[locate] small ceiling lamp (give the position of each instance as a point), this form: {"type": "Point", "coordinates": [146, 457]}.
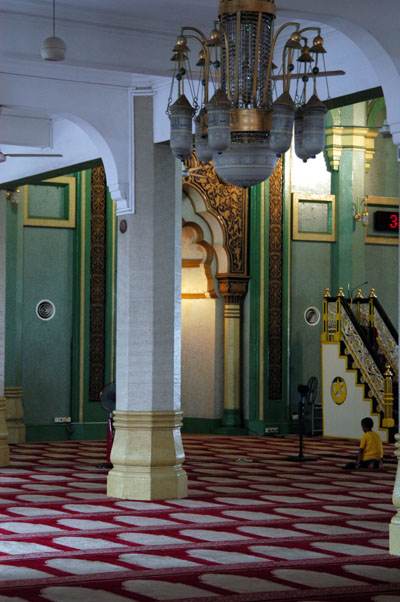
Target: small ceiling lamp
{"type": "Point", "coordinates": [242, 127]}
{"type": "Point", "coordinates": [53, 48]}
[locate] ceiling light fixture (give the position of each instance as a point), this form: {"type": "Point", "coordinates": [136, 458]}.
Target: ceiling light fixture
{"type": "Point", "coordinates": [53, 48]}
{"type": "Point", "coordinates": [240, 128]}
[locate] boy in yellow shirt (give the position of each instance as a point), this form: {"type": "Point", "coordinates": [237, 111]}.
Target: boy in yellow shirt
{"type": "Point", "coordinates": [371, 451]}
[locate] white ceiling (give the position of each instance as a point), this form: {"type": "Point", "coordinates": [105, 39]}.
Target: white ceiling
{"type": "Point", "coordinates": [128, 43]}
{"type": "Point", "coordinates": [136, 36]}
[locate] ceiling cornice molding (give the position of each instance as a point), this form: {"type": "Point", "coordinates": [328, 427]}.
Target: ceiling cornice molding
{"type": "Point", "coordinates": [84, 75]}
{"type": "Point", "coordinates": [96, 20]}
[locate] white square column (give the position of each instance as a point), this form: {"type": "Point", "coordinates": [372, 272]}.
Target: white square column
{"type": "Point", "coordinates": [147, 452]}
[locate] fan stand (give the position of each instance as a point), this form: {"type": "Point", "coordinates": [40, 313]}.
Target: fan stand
{"type": "Point", "coordinates": [107, 400]}
{"type": "Point", "coordinates": [307, 392]}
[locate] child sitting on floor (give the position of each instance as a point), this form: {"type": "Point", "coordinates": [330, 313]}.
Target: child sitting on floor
{"type": "Point", "coordinates": [370, 453]}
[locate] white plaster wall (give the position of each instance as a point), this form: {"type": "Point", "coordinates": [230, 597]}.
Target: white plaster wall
{"type": "Point", "coordinates": [343, 420]}
{"type": "Point", "coordinates": [199, 317]}
{"type": "Point", "coordinates": [311, 177]}
{"type": "Point", "coordinates": [68, 139]}
{"type": "Point", "coordinates": [202, 391]}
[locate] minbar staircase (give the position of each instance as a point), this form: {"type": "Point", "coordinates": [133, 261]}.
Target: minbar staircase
{"type": "Point", "coordinates": [359, 366]}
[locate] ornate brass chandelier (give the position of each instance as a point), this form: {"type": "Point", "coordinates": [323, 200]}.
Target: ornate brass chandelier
{"type": "Point", "coordinates": [240, 128]}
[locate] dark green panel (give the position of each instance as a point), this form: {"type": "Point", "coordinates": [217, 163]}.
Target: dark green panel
{"type": "Point", "coordinates": [200, 425]}
{"type": "Point", "coordinates": [14, 271]}
{"type": "Point", "coordinates": [254, 292]}
{"type": "Point", "coordinates": [62, 432]}
{"type": "Point", "coordinates": [47, 344]}
{"type": "Point", "coordinates": [310, 270]}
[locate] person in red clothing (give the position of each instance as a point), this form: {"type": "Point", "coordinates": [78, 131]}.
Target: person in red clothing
{"type": "Point", "coordinates": [370, 453]}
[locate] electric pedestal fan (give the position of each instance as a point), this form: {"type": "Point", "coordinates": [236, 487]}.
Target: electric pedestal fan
{"type": "Point", "coordinates": [308, 394]}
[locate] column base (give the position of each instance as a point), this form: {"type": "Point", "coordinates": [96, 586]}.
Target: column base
{"type": "Point", "coordinates": [147, 455]}
{"type": "Point", "coordinates": [394, 538]}
{"type": "Point", "coordinates": [4, 449]}
{"type": "Point", "coordinates": [15, 415]}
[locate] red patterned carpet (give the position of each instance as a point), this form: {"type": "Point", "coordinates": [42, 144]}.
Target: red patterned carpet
{"type": "Point", "coordinates": [254, 527]}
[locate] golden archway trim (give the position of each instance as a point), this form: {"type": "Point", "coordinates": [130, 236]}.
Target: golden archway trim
{"type": "Point", "coordinates": [229, 205]}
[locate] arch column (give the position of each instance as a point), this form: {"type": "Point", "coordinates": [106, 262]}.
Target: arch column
{"type": "Point", "coordinates": [4, 449]}
{"type": "Point", "coordinates": [233, 289]}
{"type": "Point", "coordinates": [147, 453]}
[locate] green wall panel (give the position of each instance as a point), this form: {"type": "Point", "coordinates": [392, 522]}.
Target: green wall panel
{"type": "Point", "coordinates": [46, 360]}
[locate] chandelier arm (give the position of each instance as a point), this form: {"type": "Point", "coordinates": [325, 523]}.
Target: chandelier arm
{"type": "Point", "coordinates": [311, 28]}
{"type": "Point", "coordinates": [202, 40]}
{"type": "Point", "coordinates": [286, 55]}
{"type": "Point", "coordinates": [289, 24]}
{"type": "Point", "coordinates": [198, 31]}
{"type": "Point", "coordinates": [237, 44]}
{"type": "Point", "coordinates": [257, 51]}
{"type": "Point", "coordinates": [227, 73]}
{"type": "Point", "coordinates": [289, 75]}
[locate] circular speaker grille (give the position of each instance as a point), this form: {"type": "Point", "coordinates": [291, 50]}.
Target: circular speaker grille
{"type": "Point", "coordinates": [312, 316]}
{"type": "Point", "coordinates": [45, 309]}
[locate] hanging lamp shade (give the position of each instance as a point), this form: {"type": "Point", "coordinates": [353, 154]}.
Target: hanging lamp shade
{"type": "Point", "coordinates": [298, 136]}
{"type": "Point", "coordinates": [203, 151]}
{"type": "Point", "coordinates": [180, 114]}
{"type": "Point", "coordinates": [245, 165]}
{"type": "Point", "coordinates": [314, 126]}
{"type": "Point", "coordinates": [53, 49]}
{"type": "Point", "coordinates": [219, 120]}
{"type": "Point", "coordinates": [280, 137]}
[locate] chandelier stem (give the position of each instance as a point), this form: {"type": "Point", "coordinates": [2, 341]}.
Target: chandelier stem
{"type": "Point", "coordinates": [54, 18]}
{"type": "Point", "coordinates": [227, 72]}
{"type": "Point", "coordinates": [266, 86]}
{"type": "Point", "coordinates": [235, 100]}
{"type": "Point", "coordinates": [256, 59]}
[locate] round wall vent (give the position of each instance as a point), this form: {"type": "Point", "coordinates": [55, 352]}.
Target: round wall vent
{"type": "Point", "coordinates": [312, 316]}
{"type": "Point", "coordinates": [45, 309]}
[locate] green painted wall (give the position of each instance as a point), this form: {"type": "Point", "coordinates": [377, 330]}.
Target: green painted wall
{"type": "Point", "coordinates": [14, 270]}
{"type": "Point", "coordinates": [310, 267]}
{"type": "Point", "coordinates": [46, 348]}
{"type": "Point", "coordinates": [51, 359]}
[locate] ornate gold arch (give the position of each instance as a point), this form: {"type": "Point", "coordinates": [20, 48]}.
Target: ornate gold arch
{"type": "Point", "coordinates": [229, 205]}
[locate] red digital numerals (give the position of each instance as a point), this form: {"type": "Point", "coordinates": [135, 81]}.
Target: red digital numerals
{"type": "Point", "coordinates": [394, 221]}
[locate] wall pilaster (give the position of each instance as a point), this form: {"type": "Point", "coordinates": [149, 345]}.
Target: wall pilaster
{"type": "Point", "coordinates": [4, 449]}
{"type": "Point", "coordinates": [233, 289]}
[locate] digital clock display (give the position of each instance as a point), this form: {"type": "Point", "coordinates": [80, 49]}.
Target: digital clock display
{"type": "Point", "coordinates": [386, 221]}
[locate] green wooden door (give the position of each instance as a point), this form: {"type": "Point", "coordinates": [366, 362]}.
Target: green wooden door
{"type": "Point", "coordinates": [47, 276]}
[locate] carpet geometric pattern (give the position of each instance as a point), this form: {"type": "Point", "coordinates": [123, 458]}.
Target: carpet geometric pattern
{"type": "Point", "coordinates": [254, 527]}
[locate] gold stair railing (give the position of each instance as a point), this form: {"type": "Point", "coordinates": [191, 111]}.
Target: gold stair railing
{"type": "Point", "coordinates": [388, 399]}
{"type": "Point", "coordinates": [357, 329]}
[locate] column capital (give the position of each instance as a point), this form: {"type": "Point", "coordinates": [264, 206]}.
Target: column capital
{"type": "Point", "coordinates": [233, 287]}
{"type": "Point", "coordinates": [354, 138]}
